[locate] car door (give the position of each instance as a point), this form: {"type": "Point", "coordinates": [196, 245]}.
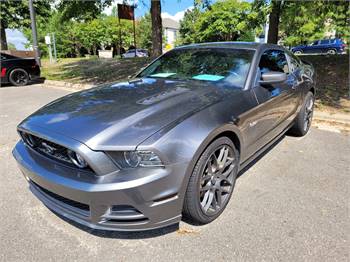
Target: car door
{"type": "Point", "coordinates": [324, 46]}
{"type": "Point", "coordinates": [315, 47]}
{"type": "Point", "coordinates": [277, 102]}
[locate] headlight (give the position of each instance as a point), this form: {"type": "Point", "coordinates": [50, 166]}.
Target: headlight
{"type": "Point", "coordinates": [77, 159]}
{"type": "Point", "coordinates": [142, 158]}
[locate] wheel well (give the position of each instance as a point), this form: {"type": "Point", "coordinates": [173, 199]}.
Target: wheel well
{"type": "Point", "coordinates": [234, 138]}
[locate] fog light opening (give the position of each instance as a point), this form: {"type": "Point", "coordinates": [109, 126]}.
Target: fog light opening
{"type": "Point", "coordinates": [77, 159]}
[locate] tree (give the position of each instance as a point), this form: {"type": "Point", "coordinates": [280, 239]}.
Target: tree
{"type": "Point", "coordinates": [299, 24]}
{"type": "Point", "coordinates": [188, 26]}
{"type": "Point", "coordinates": [296, 22]}
{"type": "Point", "coordinates": [274, 19]}
{"type": "Point", "coordinates": [75, 38]}
{"type": "Point", "coordinates": [11, 46]}
{"type": "Point", "coordinates": [15, 14]}
{"type": "Point", "coordinates": [156, 28]}
{"type": "Point", "coordinates": [228, 20]}
{"type": "Point", "coordinates": [144, 31]}
{"type": "Point", "coordinates": [82, 10]}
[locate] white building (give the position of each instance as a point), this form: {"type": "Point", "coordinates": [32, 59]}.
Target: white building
{"type": "Point", "coordinates": [171, 32]}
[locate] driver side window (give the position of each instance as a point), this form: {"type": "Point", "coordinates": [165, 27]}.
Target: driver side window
{"type": "Point", "coordinates": [273, 60]}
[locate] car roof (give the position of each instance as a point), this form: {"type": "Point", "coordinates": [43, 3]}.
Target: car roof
{"type": "Point", "coordinates": [234, 45]}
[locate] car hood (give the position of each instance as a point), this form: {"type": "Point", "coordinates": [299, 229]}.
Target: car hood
{"type": "Point", "coordinates": [122, 115]}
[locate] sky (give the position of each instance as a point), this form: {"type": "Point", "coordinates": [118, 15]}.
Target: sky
{"type": "Point", "coordinates": [170, 8]}
{"type": "Point", "coordinates": [174, 9]}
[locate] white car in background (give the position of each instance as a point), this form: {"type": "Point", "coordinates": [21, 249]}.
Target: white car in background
{"type": "Point", "coordinates": [138, 53]}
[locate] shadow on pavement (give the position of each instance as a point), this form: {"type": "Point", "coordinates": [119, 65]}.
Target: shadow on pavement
{"type": "Point", "coordinates": [39, 80]}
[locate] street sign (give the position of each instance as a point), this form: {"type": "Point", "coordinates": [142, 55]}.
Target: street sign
{"type": "Point", "coordinates": [47, 40]}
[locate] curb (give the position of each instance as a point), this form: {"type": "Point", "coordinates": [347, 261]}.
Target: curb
{"type": "Point", "coordinates": [340, 118]}
{"type": "Point", "coordinates": [66, 85]}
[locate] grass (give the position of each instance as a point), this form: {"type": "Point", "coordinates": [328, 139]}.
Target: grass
{"type": "Point", "coordinates": [332, 75]}
{"type": "Point", "coordinates": [92, 70]}
{"type": "Point", "coordinates": [332, 82]}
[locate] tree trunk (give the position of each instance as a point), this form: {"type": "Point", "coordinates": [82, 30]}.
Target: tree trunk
{"type": "Point", "coordinates": [274, 20]}
{"type": "Point", "coordinates": [3, 42]}
{"type": "Point", "coordinates": [156, 28]}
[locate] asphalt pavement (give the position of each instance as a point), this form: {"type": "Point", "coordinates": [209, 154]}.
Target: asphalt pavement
{"type": "Point", "coordinates": [291, 205]}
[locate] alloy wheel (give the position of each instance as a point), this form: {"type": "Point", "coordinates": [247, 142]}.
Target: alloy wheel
{"type": "Point", "coordinates": [19, 77]}
{"type": "Point", "coordinates": [308, 114]}
{"type": "Point", "coordinates": [217, 180]}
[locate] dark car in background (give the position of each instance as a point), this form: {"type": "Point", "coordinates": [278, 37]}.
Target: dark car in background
{"type": "Point", "coordinates": [325, 46]}
{"type": "Point", "coordinates": [18, 71]}
{"type": "Point", "coordinates": [139, 154]}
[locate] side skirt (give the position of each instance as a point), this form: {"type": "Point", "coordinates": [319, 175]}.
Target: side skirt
{"type": "Point", "coordinates": [262, 150]}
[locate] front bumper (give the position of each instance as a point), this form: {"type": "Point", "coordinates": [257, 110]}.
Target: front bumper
{"type": "Point", "coordinates": [132, 200]}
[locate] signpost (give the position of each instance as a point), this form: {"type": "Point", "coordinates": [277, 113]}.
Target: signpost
{"type": "Point", "coordinates": [49, 43]}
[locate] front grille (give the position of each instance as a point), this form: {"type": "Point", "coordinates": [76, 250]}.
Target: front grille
{"type": "Point", "coordinates": [48, 148]}
{"type": "Point", "coordinates": [62, 199]}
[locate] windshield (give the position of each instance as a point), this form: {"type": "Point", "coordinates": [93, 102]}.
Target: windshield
{"type": "Point", "coordinates": [203, 64]}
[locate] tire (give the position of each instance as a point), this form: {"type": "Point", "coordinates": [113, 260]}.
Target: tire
{"type": "Point", "coordinates": [298, 52]}
{"type": "Point", "coordinates": [19, 77]}
{"type": "Point", "coordinates": [331, 52]}
{"type": "Point", "coordinates": [303, 120]}
{"type": "Point", "coordinates": [207, 192]}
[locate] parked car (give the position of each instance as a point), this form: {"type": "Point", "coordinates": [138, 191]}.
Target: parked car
{"type": "Point", "coordinates": [140, 154]}
{"type": "Point", "coordinates": [138, 53]}
{"type": "Point", "coordinates": [18, 71]}
{"type": "Point", "coordinates": [325, 46]}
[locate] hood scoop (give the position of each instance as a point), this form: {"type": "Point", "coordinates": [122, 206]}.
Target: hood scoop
{"type": "Point", "coordinates": [162, 96]}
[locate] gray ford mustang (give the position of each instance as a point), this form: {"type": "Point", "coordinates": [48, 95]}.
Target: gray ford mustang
{"type": "Point", "coordinates": [169, 142]}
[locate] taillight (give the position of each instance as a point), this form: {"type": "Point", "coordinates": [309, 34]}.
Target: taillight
{"type": "Point", "coordinates": [3, 72]}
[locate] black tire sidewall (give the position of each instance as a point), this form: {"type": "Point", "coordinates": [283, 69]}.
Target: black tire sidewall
{"type": "Point", "coordinates": [298, 128]}
{"type": "Point", "coordinates": [17, 70]}
{"type": "Point", "coordinates": [193, 209]}
{"type": "Point", "coordinates": [331, 51]}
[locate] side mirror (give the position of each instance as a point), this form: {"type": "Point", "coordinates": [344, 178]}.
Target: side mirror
{"type": "Point", "coordinates": [272, 77]}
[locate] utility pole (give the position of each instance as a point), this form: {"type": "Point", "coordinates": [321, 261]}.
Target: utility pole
{"type": "Point", "coordinates": [34, 34]}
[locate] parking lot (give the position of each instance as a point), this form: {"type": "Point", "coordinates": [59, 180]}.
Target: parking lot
{"type": "Point", "coordinates": [291, 205]}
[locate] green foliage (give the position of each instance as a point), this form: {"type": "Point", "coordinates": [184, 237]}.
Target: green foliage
{"type": "Point", "coordinates": [15, 14]}
{"type": "Point", "coordinates": [144, 32]}
{"type": "Point", "coordinates": [188, 26]}
{"type": "Point", "coordinates": [225, 20]}
{"type": "Point", "coordinates": [11, 46]}
{"type": "Point", "coordinates": [305, 21]}
{"type": "Point", "coordinates": [75, 38]}
{"type": "Point", "coordinates": [81, 10]}
{"type": "Point", "coordinates": [231, 20]}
